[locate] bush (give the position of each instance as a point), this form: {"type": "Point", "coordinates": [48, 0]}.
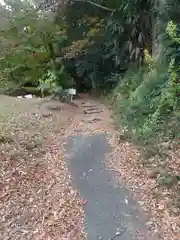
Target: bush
{"type": "Point", "coordinates": [144, 101]}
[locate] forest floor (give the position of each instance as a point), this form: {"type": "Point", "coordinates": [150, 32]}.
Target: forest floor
{"type": "Point", "coordinates": [37, 200]}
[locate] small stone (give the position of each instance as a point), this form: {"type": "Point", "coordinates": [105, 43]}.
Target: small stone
{"type": "Point", "coordinates": [152, 173]}
{"type": "Point", "coordinates": [47, 114]}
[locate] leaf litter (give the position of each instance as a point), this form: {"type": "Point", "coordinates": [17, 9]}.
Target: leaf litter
{"type": "Point", "coordinates": [43, 205]}
{"type": "Point", "coordinates": [37, 200]}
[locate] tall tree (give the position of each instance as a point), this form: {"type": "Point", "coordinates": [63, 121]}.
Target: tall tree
{"type": "Point", "coordinates": [27, 41]}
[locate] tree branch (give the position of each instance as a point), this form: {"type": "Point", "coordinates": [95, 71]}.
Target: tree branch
{"type": "Point", "coordinates": [96, 4]}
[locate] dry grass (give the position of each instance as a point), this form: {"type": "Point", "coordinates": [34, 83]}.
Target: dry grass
{"type": "Point", "coordinates": [36, 197]}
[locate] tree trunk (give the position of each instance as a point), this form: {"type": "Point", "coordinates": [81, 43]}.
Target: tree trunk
{"type": "Point", "coordinates": [159, 22]}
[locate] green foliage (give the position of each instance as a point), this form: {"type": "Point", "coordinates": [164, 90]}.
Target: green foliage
{"type": "Point", "coordinates": [147, 99]}
{"type": "Point", "coordinates": [53, 82]}
{"type": "Point", "coordinates": [28, 44]}
{"type": "Point", "coordinates": [48, 84]}
{"type": "Point", "coordinates": [104, 39]}
{"type": "Point", "coordinates": [144, 103]}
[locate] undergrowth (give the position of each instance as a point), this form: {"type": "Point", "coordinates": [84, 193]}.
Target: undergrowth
{"type": "Point", "coordinates": [137, 103]}
{"type": "Point", "coordinates": [145, 104]}
{"type": "Point", "coordinates": [146, 100]}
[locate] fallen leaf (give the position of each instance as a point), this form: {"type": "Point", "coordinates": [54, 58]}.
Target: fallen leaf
{"type": "Point", "coordinates": [84, 202]}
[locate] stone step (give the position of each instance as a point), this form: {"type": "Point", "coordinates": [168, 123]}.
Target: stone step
{"type": "Point", "coordinates": [91, 109]}
{"type": "Point", "coordinates": [90, 106]}
{"type": "Point", "coordinates": [92, 119]}
{"type": "Point", "coordinates": [89, 112]}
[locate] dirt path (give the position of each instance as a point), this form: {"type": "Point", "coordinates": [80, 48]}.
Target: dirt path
{"type": "Point", "coordinates": [110, 211]}
{"type": "Point", "coordinates": [38, 197]}
{"type": "Point", "coordinates": [123, 159]}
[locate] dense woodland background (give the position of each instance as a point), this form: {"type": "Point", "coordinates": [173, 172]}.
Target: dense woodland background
{"type": "Point", "coordinates": [127, 51]}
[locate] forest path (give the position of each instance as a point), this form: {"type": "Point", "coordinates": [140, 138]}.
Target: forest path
{"type": "Point", "coordinates": [110, 211]}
